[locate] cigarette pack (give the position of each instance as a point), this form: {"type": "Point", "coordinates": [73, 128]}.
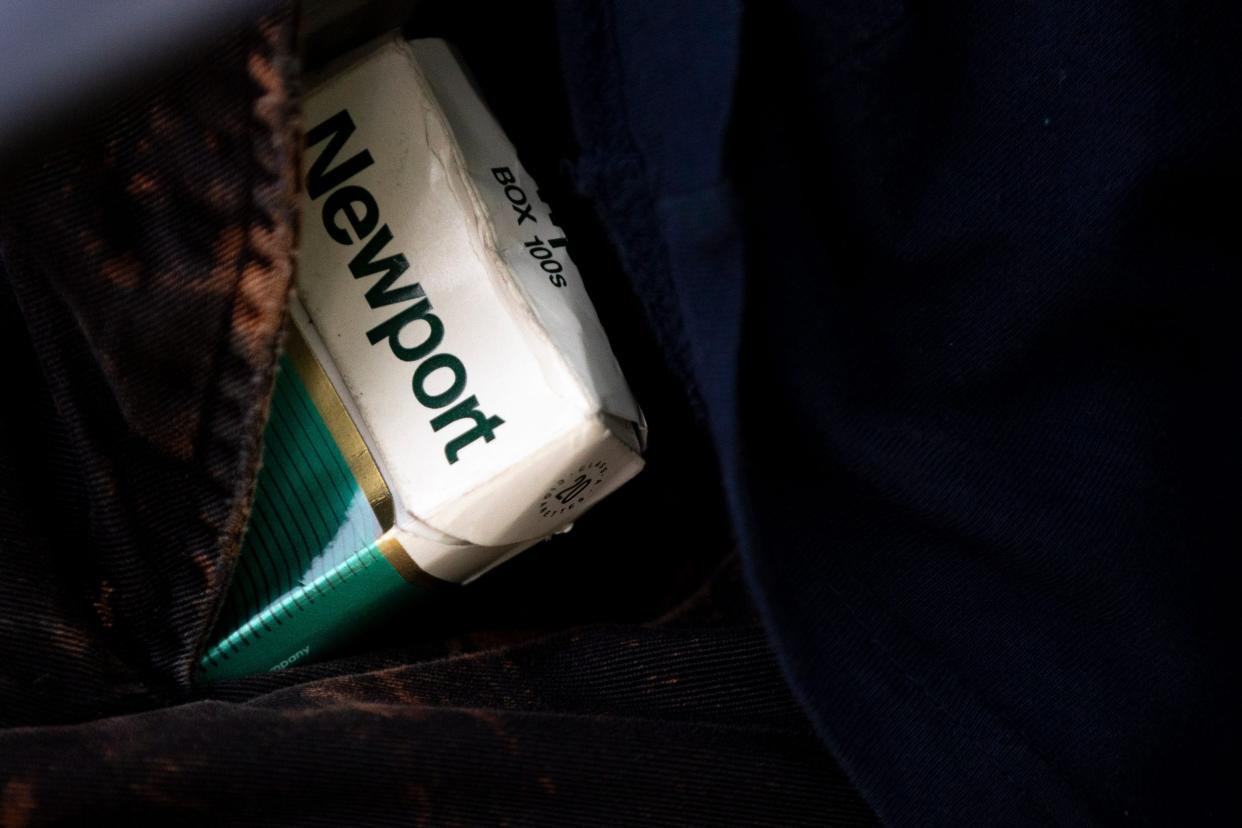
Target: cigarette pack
{"type": "Point", "coordinates": [447, 396]}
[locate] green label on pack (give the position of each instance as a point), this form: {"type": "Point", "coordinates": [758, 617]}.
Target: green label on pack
{"type": "Point", "coordinates": [313, 565]}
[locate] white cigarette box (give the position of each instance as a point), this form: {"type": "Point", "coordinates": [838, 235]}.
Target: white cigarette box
{"type": "Point", "coordinates": [448, 350]}
{"type": "Point", "coordinates": [438, 293]}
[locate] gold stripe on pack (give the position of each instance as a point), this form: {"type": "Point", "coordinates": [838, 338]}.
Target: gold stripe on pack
{"type": "Point", "coordinates": [340, 426]}
{"type": "Point", "coordinates": [395, 554]}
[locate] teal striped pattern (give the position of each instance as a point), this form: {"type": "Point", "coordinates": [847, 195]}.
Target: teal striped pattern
{"type": "Point", "coordinates": [311, 536]}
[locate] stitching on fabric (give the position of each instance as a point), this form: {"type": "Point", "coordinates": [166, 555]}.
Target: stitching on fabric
{"type": "Point", "coordinates": [642, 185]}
{"type": "Point", "coordinates": [223, 564]}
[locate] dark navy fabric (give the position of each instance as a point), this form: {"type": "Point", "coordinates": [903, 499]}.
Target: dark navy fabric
{"type": "Point", "coordinates": [941, 295]}
{"type": "Point", "coordinates": [955, 286]}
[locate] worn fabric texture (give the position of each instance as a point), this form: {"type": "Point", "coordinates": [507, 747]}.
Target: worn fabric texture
{"type": "Point", "coordinates": [617, 676]}
{"type": "Point", "coordinates": [930, 307]}
{"type": "Point", "coordinates": [149, 258]}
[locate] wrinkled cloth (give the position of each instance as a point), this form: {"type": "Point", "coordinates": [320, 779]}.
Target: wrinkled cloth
{"type": "Point", "coordinates": [149, 261]}
{"type": "Point", "coordinates": [930, 309]}
{"type": "Point", "coordinates": [616, 675]}
{"type": "Point", "coordinates": [955, 284]}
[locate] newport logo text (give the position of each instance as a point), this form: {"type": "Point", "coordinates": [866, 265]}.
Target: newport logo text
{"type": "Point", "coordinates": [351, 216]}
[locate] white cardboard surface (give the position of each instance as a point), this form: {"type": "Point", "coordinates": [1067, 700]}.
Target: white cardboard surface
{"type": "Point", "coordinates": [523, 335]}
